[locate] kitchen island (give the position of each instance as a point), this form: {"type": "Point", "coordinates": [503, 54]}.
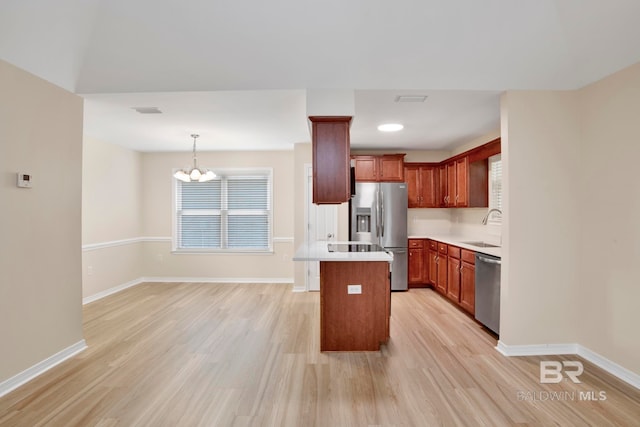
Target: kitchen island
{"type": "Point", "coordinates": [355, 294]}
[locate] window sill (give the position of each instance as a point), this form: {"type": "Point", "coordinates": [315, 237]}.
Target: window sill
{"type": "Point", "coordinates": [221, 252]}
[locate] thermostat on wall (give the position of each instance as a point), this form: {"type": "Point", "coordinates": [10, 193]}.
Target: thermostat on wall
{"type": "Point", "coordinates": [25, 180]}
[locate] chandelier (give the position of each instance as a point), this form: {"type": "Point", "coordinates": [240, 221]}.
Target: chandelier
{"type": "Point", "coordinates": [195, 174]}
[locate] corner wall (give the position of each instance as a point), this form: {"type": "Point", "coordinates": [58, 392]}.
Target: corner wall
{"type": "Point", "coordinates": [111, 218]}
{"type": "Point", "coordinates": [40, 261]}
{"type": "Point", "coordinates": [609, 288]}
{"type": "Point", "coordinates": [541, 231]}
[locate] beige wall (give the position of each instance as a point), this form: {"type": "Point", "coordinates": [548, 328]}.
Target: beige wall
{"type": "Point", "coordinates": [157, 184]}
{"type": "Point", "coordinates": [111, 211]}
{"type": "Point", "coordinates": [40, 261]}
{"type": "Point", "coordinates": [111, 190]}
{"type": "Point", "coordinates": [541, 232]}
{"type": "Point", "coordinates": [609, 286]}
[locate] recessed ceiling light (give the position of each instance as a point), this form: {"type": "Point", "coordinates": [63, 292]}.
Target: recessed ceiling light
{"type": "Point", "coordinates": [390, 127]}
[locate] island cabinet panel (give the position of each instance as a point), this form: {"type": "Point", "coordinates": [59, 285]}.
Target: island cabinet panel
{"type": "Point", "coordinates": [354, 322]}
{"type": "Point", "coordinates": [331, 166]}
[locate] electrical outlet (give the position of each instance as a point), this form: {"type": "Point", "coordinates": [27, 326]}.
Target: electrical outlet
{"type": "Point", "coordinates": [354, 289]}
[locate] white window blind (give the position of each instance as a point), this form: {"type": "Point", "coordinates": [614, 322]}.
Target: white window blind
{"type": "Point", "coordinates": [230, 213]}
{"type": "Point", "coordinates": [495, 187]}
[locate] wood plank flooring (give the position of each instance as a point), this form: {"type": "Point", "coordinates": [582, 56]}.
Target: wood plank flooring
{"type": "Point", "coordinates": [248, 355]}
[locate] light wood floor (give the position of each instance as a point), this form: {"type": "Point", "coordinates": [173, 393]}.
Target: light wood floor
{"type": "Point", "coordinates": [248, 354]}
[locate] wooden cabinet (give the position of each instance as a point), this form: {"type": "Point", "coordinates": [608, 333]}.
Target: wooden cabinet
{"type": "Point", "coordinates": [383, 168]}
{"type": "Point", "coordinates": [432, 256]}
{"type": "Point", "coordinates": [354, 322]}
{"type": "Point", "coordinates": [331, 166]}
{"type": "Point", "coordinates": [441, 265]}
{"type": "Point", "coordinates": [418, 276]}
{"type": "Point", "coordinates": [421, 185]}
{"type": "Point", "coordinates": [468, 281]}
{"type": "Point", "coordinates": [453, 273]}
{"type": "Point", "coordinates": [464, 184]}
{"type": "Point", "coordinates": [442, 186]}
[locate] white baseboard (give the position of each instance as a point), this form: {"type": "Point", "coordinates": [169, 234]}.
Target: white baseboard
{"type": "Point", "coordinates": [613, 368]}
{"type": "Point", "coordinates": [536, 350]}
{"type": "Point", "coordinates": [41, 367]}
{"type": "Point", "coordinates": [287, 280]}
{"type": "Point", "coordinates": [550, 349]}
{"type": "Point", "coordinates": [110, 291]}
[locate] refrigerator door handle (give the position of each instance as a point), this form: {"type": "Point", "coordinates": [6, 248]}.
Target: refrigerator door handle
{"type": "Point", "coordinates": [377, 206]}
{"type": "Point", "coordinates": [381, 213]}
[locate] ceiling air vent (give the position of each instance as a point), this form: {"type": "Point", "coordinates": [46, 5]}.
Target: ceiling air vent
{"type": "Point", "coordinates": [411, 98]}
{"type": "Point", "coordinates": [147, 110]}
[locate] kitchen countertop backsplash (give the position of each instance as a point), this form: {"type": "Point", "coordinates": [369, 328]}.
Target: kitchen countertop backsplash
{"type": "Point", "coordinates": [455, 226]}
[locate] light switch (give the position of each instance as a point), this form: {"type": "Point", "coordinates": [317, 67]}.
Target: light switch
{"type": "Point", "coordinates": [354, 289]}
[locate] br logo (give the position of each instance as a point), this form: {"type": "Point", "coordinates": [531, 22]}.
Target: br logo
{"type": "Point", "coordinates": [551, 371]}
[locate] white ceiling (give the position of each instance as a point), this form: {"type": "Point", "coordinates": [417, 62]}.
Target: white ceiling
{"type": "Point", "coordinates": [236, 71]}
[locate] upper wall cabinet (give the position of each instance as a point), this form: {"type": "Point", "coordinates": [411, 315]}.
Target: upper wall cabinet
{"type": "Point", "coordinates": [458, 182]}
{"type": "Point", "coordinates": [421, 184]}
{"type": "Point", "coordinates": [330, 147]}
{"type": "Point", "coordinates": [383, 168]}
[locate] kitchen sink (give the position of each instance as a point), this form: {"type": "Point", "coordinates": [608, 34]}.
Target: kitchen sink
{"type": "Point", "coordinates": [481, 244]}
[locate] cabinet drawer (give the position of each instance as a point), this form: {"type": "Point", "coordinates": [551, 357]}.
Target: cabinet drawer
{"type": "Point", "coordinates": [416, 243]}
{"type": "Point", "coordinates": [454, 251]}
{"type": "Point", "coordinates": [442, 248]}
{"type": "Point", "coordinates": [433, 245]}
{"type": "Point", "coordinates": [468, 256]}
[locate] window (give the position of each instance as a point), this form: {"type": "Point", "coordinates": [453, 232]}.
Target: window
{"type": "Point", "coordinates": [232, 213]}
{"type": "Point", "coordinates": [495, 188]}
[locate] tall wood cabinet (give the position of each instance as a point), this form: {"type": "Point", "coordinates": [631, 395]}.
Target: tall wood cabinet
{"type": "Point", "coordinates": [379, 168]}
{"type": "Point", "coordinates": [331, 165]}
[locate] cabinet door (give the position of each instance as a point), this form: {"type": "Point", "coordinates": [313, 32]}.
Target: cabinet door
{"type": "Point", "coordinates": [428, 193]}
{"type": "Point", "coordinates": [433, 267]}
{"type": "Point", "coordinates": [442, 186]}
{"type": "Point", "coordinates": [468, 287]}
{"type": "Point", "coordinates": [453, 279]}
{"type": "Point", "coordinates": [451, 184]}
{"type": "Point", "coordinates": [330, 149]}
{"type": "Point", "coordinates": [416, 266]}
{"type": "Point", "coordinates": [462, 183]}
{"type": "Point", "coordinates": [441, 279]}
{"type": "Point", "coordinates": [412, 177]}
{"type": "Point", "coordinates": [366, 168]}
{"type": "Point", "coordinates": [391, 168]}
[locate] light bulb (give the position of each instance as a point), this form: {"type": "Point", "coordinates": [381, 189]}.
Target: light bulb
{"type": "Point", "coordinates": [208, 176]}
{"type": "Point", "coordinates": [182, 176]}
{"type": "Point", "coordinates": [195, 174]}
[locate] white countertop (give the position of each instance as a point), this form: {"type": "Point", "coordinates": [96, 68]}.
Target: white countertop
{"type": "Point", "coordinates": [318, 251]}
{"type": "Point", "coordinates": [457, 240]}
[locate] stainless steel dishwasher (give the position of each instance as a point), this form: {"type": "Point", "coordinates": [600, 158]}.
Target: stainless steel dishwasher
{"type": "Point", "coordinates": [488, 291]}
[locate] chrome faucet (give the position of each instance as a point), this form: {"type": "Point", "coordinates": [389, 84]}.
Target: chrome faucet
{"type": "Point", "coordinates": [486, 217]}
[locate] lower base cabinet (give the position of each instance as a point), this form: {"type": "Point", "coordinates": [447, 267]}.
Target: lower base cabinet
{"type": "Point", "coordinates": [468, 281]}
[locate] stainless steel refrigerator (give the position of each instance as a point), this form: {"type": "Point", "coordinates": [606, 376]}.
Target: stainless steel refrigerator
{"type": "Point", "coordinates": [378, 214]}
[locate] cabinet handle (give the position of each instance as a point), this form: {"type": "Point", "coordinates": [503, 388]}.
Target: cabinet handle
{"type": "Point", "coordinates": [456, 198]}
